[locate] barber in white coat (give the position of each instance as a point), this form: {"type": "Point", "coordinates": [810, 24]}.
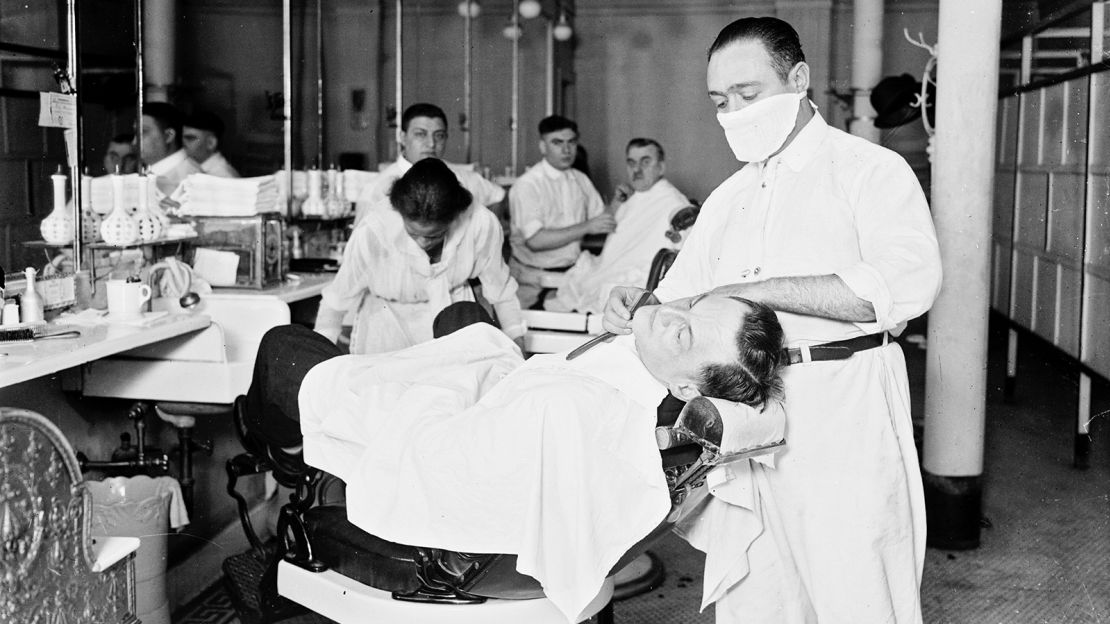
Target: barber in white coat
{"type": "Point", "coordinates": [834, 233]}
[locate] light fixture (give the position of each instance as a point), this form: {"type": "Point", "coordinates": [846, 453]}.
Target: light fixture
{"type": "Point", "coordinates": [470, 6]}
{"type": "Point", "coordinates": [512, 30]}
{"type": "Point", "coordinates": [562, 30]}
{"type": "Point", "coordinates": [530, 8]}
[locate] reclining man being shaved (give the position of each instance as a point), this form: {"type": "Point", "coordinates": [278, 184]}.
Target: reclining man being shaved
{"type": "Point", "coordinates": [461, 444]}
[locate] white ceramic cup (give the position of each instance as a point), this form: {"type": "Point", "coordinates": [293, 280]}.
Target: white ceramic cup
{"type": "Point", "coordinates": [126, 299]}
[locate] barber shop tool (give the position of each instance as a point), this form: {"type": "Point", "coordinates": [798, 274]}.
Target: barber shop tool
{"type": "Point", "coordinates": [28, 334]}
{"type": "Point", "coordinates": [607, 336]}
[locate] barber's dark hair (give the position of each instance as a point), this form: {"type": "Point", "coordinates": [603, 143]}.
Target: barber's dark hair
{"type": "Point", "coordinates": [779, 37]}
{"type": "Point", "coordinates": [644, 142]}
{"type": "Point", "coordinates": [429, 193]}
{"type": "Point", "coordinates": [207, 121]}
{"type": "Point", "coordinates": [166, 116]}
{"type": "Point", "coordinates": [755, 378]}
{"type": "Point", "coordinates": [422, 109]}
{"type": "Point", "coordinates": [555, 123]}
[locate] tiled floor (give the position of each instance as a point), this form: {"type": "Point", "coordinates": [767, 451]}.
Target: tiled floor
{"type": "Point", "coordinates": [1045, 552]}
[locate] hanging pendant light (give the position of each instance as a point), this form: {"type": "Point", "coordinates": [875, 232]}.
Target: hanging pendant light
{"type": "Point", "coordinates": [530, 9]}
{"type": "Point", "coordinates": [470, 6]}
{"type": "Point", "coordinates": [562, 30]}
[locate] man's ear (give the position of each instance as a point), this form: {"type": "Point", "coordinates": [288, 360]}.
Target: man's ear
{"type": "Point", "coordinates": [686, 391]}
{"type": "Point", "coordinates": [169, 136]}
{"type": "Point", "coordinates": [799, 78]}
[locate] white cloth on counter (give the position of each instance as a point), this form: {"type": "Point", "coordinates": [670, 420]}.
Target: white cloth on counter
{"type": "Point", "coordinates": [375, 195]}
{"type": "Point", "coordinates": [214, 196]}
{"type": "Point", "coordinates": [845, 511]}
{"type": "Point", "coordinates": [460, 444]}
{"type": "Point", "coordinates": [642, 222]}
{"type": "Point", "coordinates": [397, 291]}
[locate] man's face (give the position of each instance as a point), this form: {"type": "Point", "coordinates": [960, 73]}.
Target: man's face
{"type": "Point", "coordinates": [644, 167]}
{"type": "Point", "coordinates": [429, 236]}
{"type": "Point", "coordinates": [559, 148]}
{"type": "Point", "coordinates": [157, 143]}
{"type": "Point", "coordinates": [741, 73]}
{"type": "Point", "coordinates": [676, 340]}
{"type": "Point", "coordinates": [199, 144]}
{"type": "Point", "coordinates": [426, 137]}
{"type": "Point", "coordinates": [120, 155]}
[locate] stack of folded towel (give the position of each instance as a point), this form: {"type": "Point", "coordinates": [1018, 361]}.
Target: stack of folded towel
{"type": "Point", "coordinates": [212, 196]}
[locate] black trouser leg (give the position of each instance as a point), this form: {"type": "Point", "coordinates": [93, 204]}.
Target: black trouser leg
{"type": "Point", "coordinates": [285, 356]}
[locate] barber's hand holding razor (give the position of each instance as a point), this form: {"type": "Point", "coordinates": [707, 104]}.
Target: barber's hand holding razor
{"type": "Point", "coordinates": [618, 309]}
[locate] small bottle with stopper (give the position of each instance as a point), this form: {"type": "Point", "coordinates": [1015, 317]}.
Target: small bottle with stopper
{"type": "Point", "coordinates": [31, 307]}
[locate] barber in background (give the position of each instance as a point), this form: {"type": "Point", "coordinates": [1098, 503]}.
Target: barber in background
{"type": "Point", "coordinates": [552, 206]}
{"type": "Point", "coordinates": [121, 154]}
{"type": "Point", "coordinates": [424, 135]}
{"type": "Point", "coordinates": [201, 136]}
{"type": "Point", "coordinates": [160, 138]}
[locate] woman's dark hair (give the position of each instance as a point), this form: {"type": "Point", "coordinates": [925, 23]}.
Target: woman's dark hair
{"type": "Point", "coordinates": [781, 40]}
{"type": "Point", "coordinates": [754, 378]}
{"type": "Point", "coordinates": [429, 193]}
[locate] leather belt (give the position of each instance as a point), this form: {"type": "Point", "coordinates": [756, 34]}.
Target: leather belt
{"type": "Point", "coordinates": [839, 350]}
{"type": "Point", "coordinates": [562, 269]}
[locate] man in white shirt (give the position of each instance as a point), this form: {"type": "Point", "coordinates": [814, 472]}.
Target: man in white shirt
{"type": "Point", "coordinates": [645, 206]}
{"type": "Point", "coordinates": [201, 136]}
{"type": "Point", "coordinates": [834, 233]}
{"type": "Point", "coordinates": [460, 444]}
{"type": "Point", "coordinates": [551, 207]}
{"type": "Point", "coordinates": [423, 135]}
{"type": "Point", "coordinates": [160, 147]}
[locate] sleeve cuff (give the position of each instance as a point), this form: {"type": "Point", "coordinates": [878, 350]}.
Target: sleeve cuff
{"type": "Point", "coordinates": [868, 284]}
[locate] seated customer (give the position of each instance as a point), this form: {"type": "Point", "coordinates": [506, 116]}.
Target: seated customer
{"type": "Point", "coordinates": [160, 149]}
{"type": "Point", "coordinates": [402, 266]}
{"type": "Point", "coordinates": [460, 444]}
{"type": "Point", "coordinates": [644, 209]}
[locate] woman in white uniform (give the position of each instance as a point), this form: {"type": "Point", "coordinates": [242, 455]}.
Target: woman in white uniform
{"type": "Point", "coordinates": [403, 266]}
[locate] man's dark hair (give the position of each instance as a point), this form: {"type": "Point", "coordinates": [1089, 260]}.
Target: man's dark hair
{"type": "Point", "coordinates": [429, 193]}
{"type": "Point", "coordinates": [753, 379]}
{"type": "Point", "coordinates": [779, 38]}
{"type": "Point", "coordinates": [555, 123]}
{"type": "Point", "coordinates": [124, 137]}
{"type": "Point", "coordinates": [207, 121]}
{"type": "Point", "coordinates": [167, 117]}
{"type": "Point", "coordinates": [643, 142]}
{"type": "Point", "coordinates": [422, 109]}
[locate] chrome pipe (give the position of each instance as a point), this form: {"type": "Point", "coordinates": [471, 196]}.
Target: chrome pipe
{"type": "Point", "coordinates": [140, 80]}
{"type": "Point", "coordinates": [468, 77]}
{"type": "Point", "coordinates": [73, 62]}
{"type": "Point", "coordinates": [514, 115]}
{"type": "Point", "coordinates": [397, 82]}
{"type": "Point", "coordinates": [320, 85]}
{"type": "Point", "coordinates": [287, 98]}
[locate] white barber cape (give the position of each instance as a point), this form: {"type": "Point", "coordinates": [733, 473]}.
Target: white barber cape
{"type": "Point", "coordinates": [396, 291]}
{"type": "Point", "coordinates": [460, 444]}
{"type": "Point", "coordinates": [171, 171]}
{"type": "Point", "coordinates": [218, 166]}
{"type": "Point", "coordinates": [375, 195]}
{"type": "Point", "coordinates": [642, 222]}
{"type": "Point", "coordinates": [844, 509]}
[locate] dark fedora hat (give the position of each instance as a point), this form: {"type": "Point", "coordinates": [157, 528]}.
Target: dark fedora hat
{"type": "Point", "coordinates": [893, 100]}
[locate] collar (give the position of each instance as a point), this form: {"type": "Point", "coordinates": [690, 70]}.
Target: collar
{"type": "Point", "coordinates": [802, 149]}
{"type": "Point", "coordinates": [169, 163]}
{"type": "Point", "coordinates": [215, 159]}
{"type": "Point", "coordinates": [654, 189]}
{"type": "Point", "coordinates": [403, 165]}
{"type": "Point", "coordinates": [618, 364]}
{"type": "Point", "coordinates": [552, 172]}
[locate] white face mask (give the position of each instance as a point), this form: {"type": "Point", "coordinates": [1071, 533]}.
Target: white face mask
{"type": "Point", "coordinates": [759, 130]}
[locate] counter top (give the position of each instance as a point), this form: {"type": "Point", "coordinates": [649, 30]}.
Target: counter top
{"type": "Point", "coordinates": [23, 361]}
{"type": "Point", "coordinates": [296, 287]}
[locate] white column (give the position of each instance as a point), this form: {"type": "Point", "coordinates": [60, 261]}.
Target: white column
{"type": "Point", "coordinates": [159, 48]}
{"type": "Point", "coordinates": [963, 182]}
{"type": "Point", "coordinates": [867, 65]}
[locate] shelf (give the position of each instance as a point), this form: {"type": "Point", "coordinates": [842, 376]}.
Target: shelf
{"type": "Point", "coordinates": [39, 244]}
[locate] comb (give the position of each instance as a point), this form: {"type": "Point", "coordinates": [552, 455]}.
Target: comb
{"type": "Point", "coordinates": [28, 334]}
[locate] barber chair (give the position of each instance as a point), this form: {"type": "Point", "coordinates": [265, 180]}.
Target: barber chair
{"type": "Point", "coordinates": [329, 566]}
{"type": "Point", "coordinates": [51, 568]}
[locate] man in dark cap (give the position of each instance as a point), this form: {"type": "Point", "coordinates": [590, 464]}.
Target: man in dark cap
{"type": "Point", "coordinates": [202, 134]}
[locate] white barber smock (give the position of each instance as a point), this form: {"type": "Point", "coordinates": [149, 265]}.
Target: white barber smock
{"type": "Point", "coordinates": [844, 513]}
{"type": "Point", "coordinates": [642, 223]}
{"type": "Point", "coordinates": [397, 291]}
{"type": "Point", "coordinates": [460, 444]}
{"type": "Point", "coordinates": [217, 165]}
{"type": "Point", "coordinates": [375, 196]}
